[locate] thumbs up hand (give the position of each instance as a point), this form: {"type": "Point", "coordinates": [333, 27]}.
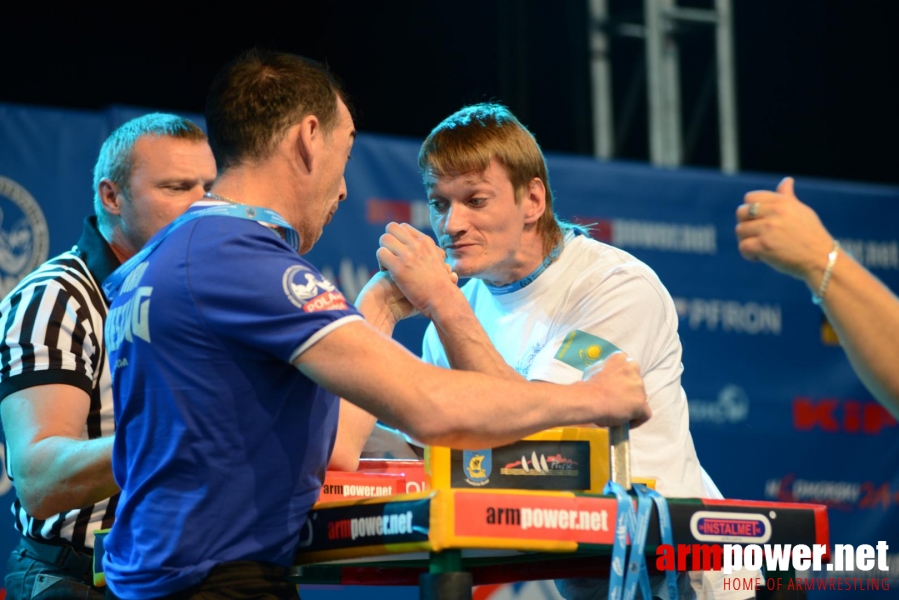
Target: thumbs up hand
{"type": "Point", "coordinates": [778, 229]}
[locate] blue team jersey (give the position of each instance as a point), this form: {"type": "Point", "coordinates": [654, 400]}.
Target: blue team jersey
{"type": "Point", "coordinates": [221, 444]}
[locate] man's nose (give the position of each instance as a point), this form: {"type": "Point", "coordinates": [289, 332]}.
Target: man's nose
{"type": "Point", "coordinates": [455, 221]}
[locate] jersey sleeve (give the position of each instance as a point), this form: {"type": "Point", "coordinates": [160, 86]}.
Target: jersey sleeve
{"type": "Point", "coordinates": [261, 294]}
{"type": "Point", "coordinates": [51, 332]}
{"type": "Point", "coordinates": [626, 309]}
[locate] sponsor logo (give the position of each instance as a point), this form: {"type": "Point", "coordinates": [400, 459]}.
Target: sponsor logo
{"type": "Point", "coordinates": [841, 495]}
{"type": "Point", "coordinates": [326, 301]}
{"type": "Point", "coordinates": [730, 316]}
{"type": "Point", "coordinates": [527, 360]}
{"type": "Point", "coordinates": [554, 465]}
{"type": "Point", "coordinates": [302, 284]}
{"type": "Point", "coordinates": [836, 494]}
{"type": "Point", "coordinates": [730, 527]}
{"type": "Point", "coordinates": [477, 465]}
{"type": "Point", "coordinates": [655, 235]}
{"type": "Point", "coordinates": [841, 416]}
{"type": "Point", "coordinates": [732, 406]}
{"type": "Point", "coordinates": [24, 236]}
{"type": "Point", "coordinates": [582, 350]}
{"type": "Point", "coordinates": [872, 561]}
{"type": "Point", "coordinates": [358, 491]}
{"type": "Point", "coordinates": [874, 254]}
{"type": "Point", "coordinates": [415, 212]}
{"type": "Point", "coordinates": [376, 526]}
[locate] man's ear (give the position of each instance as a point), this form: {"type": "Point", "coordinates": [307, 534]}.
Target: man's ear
{"type": "Point", "coordinates": [305, 138]}
{"type": "Point", "coordinates": [110, 196]}
{"type": "Point", "coordinates": [534, 200]}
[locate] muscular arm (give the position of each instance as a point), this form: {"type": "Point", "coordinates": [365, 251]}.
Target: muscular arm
{"type": "Point", "coordinates": [392, 384]}
{"type": "Point", "coordinates": [54, 468]}
{"type": "Point", "coordinates": [788, 235]}
{"type": "Point", "coordinates": [382, 305]}
{"type": "Point", "coordinates": [865, 315]}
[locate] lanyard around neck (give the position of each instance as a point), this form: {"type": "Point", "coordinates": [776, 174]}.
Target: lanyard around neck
{"type": "Point", "coordinates": [261, 215]}
{"type": "Point", "coordinates": [498, 290]}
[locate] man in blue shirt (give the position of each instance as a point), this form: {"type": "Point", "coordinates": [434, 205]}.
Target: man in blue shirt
{"type": "Point", "coordinates": [231, 352]}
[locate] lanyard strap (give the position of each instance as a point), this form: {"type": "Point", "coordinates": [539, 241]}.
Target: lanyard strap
{"type": "Point", "coordinates": [624, 526]}
{"type": "Point", "coordinates": [261, 215]}
{"type": "Point", "coordinates": [636, 526]}
{"type": "Point", "coordinates": [636, 565]}
{"type": "Point", "coordinates": [666, 533]}
{"type": "Point", "coordinates": [529, 279]}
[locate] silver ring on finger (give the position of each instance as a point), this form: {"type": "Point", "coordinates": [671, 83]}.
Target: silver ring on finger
{"type": "Point", "coordinates": [754, 210]}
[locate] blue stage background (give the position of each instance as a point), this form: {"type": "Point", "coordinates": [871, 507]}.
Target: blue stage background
{"type": "Point", "coordinates": [776, 411]}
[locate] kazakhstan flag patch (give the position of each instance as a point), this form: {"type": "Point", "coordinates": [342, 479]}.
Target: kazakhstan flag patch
{"type": "Point", "coordinates": [582, 350]}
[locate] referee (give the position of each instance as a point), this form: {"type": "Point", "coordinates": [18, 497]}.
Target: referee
{"type": "Point", "coordinates": [55, 385]}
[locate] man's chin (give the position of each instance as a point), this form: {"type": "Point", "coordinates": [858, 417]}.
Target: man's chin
{"type": "Point", "coordinates": [464, 271]}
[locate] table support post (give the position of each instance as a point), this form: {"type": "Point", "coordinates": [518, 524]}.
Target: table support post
{"type": "Point", "coordinates": [445, 580]}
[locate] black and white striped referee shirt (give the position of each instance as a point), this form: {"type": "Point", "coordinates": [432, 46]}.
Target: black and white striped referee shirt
{"type": "Point", "coordinates": [52, 333]}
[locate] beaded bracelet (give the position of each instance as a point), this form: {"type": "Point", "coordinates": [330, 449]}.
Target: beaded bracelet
{"type": "Point", "coordinates": [818, 297]}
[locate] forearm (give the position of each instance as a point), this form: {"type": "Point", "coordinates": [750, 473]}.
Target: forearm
{"type": "Point", "coordinates": [487, 421]}
{"type": "Point", "coordinates": [464, 340]}
{"type": "Point", "coordinates": [62, 474]}
{"type": "Point", "coordinates": [467, 409]}
{"type": "Point", "coordinates": [353, 430]}
{"type": "Point", "coordinates": [865, 315]}
{"type": "Point", "coordinates": [385, 442]}
{"type": "Point", "coordinates": [355, 425]}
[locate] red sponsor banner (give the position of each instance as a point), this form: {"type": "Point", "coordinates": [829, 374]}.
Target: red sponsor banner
{"type": "Point", "coordinates": [326, 301]}
{"type": "Point", "coordinates": [570, 519]}
{"type": "Point", "coordinates": [384, 211]}
{"type": "Point", "coordinates": [342, 485]}
{"type": "Point", "coordinates": [412, 470]}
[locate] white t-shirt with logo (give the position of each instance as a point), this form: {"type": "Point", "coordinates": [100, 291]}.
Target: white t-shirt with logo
{"type": "Point", "coordinates": [594, 300]}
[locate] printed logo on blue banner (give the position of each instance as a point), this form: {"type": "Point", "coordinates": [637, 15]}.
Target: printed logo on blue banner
{"type": "Point", "coordinates": [477, 465]}
{"type": "Point", "coordinates": [740, 528]}
{"type": "Point", "coordinates": [24, 237]}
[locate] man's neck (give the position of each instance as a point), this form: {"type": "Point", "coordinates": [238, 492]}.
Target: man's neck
{"type": "Point", "coordinates": [528, 258]}
{"type": "Point", "coordinates": [262, 185]}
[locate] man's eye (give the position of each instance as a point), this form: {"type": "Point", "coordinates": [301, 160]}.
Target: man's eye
{"type": "Point", "coordinates": [477, 201]}
{"type": "Point", "coordinates": [437, 205]}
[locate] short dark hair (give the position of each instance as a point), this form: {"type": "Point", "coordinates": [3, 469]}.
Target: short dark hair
{"type": "Point", "coordinates": [257, 97]}
{"type": "Point", "coordinates": [116, 159]}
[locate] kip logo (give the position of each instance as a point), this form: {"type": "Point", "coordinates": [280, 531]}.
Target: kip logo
{"type": "Point", "coordinates": [24, 236]}
{"type": "Point", "coordinates": [477, 465]}
{"type": "Point", "coordinates": [743, 528]}
{"type": "Point", "coordinates": [310, 291]}
{"type": "Point", "coordinates": [582, 350]}
{"type": "Point", "coordinates": [835, 416]}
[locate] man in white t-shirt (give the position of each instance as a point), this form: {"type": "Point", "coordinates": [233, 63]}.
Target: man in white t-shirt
{"type": "Point", "coordinates": [544, 302]}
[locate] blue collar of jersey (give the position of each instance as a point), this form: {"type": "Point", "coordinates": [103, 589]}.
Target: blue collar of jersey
{"type": "Point", "coordinates": [529, 279]}
{"type": "Point", "coordinates": [265, 216]}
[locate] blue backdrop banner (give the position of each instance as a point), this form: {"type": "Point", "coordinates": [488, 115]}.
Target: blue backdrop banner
{"type": "Point", "coordinates": [776, 411]}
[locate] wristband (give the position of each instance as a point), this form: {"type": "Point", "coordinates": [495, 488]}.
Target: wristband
{"type": "Point", "coordinates": [818, 297]}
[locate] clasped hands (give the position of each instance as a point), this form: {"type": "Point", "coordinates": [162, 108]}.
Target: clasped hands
{"type": "Point", "coordinates": [414, 273]}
